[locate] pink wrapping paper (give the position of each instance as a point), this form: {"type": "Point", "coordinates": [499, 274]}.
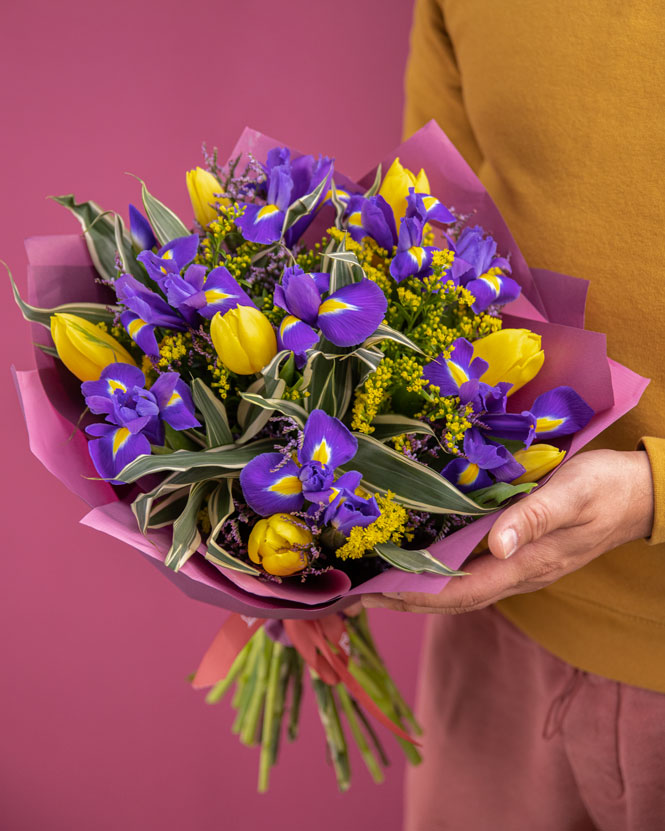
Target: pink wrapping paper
{"type": "Point", "coordinates": [552, 305]}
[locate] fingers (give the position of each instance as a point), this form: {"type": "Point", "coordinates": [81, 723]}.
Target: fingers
{"type": "Point", "coordinates": [552, 507]}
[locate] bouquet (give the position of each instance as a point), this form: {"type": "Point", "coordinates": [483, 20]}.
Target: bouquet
{"type": "Point", "coordinates": [313, 389]}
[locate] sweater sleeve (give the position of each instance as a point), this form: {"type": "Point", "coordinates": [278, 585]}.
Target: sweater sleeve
{"type": "Point", "coordinates": [433, 87]}
{"type": "Point", "coordinates": [655, 449]}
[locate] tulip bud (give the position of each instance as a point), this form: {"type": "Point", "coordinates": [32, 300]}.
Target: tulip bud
{"type": "Point", "coordinates": [537, 460]}
{"type": "Point", "coordinates": [244, 339]}
{"type": "Point", "coordinates": [277, 543]}
{"type": "Point", "coordinates": [202, 187]}
{"type": "Point", "coordinates": [513, 355]}
{"type": "Point", "coordinates": [84, 348]}
{"type": "Point", "coordinates": [396, 184]}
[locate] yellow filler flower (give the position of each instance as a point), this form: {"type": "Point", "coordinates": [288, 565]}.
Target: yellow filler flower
{"type": "Point", "coordinates": [396, 184]}
{"type": "Point", "coordinates": [513, 355]}
{"type": "Point", "coordinates": [278, 544]}
{"type": "Point", "coordinates": [244, 339]}
{"type": "Point", "coordinates": [202, 187]}
{"type": "Point", "coordinates": [538, 460]}
{"type": "Point", "coordinates": [84, 348]}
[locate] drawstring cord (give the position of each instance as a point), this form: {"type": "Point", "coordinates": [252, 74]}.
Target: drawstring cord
{"type": "Point", "coordinates": [559, 707]}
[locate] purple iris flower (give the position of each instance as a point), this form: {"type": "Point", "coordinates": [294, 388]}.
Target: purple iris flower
{"type": "Point", "coordinates": [373, 218]}
{"type": "Point", "coordinates": [136, 415]}
{"type": "Point", "coordinates": [149, 306]}
{"type": "Point", "coordinates": [307, 174]}
{"type": "Point", "coordinates": [198, 293]}
{"type": "Point", "coordinates": [477, 268]}
{"type": "Point", "coordinates": [171, 258]}
{"type": "Point", "coordinates": [140, 230]}
{"type": "Point", "coordinates": [465, 475]}
{"type": "Point", "coordinates": [451, 373]}
{"type": "Point", "coordinates": [428, 208]}
{"type": "Point", "coordinates": [560, 412]}
{"type": "Point", "coordinates": [273, 483]}
{"type": "Point", "coordinates": [346, 317]}
{"type": "Point", "coordinates": [349, 510]}
{"type": "Point", "coordinates": [412, 258]}
{"type": "Point", "coordinates": [141, 332]}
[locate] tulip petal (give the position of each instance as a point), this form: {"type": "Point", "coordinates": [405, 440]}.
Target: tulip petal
{"type": "Point", "coordinates": [327, 440]}
{"type": "Point", "coordinates": [560, 412]}
{"type": "Point", "coordinates": [271, 485]}
{"type": "Point", "coordinates": [352, 313]}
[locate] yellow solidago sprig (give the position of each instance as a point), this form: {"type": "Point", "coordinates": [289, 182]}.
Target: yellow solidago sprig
{"type": "Point", "coordinates": [390, 526]}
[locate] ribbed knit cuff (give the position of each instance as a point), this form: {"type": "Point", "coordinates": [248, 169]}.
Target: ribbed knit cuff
{"type": "Point", "coordinates": [655, 449]}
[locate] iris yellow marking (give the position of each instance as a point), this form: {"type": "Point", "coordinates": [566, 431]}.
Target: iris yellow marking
{"type": "Point", "coordinates": [116, 385]}
{"type": "Point", "coordinates": [287, 323]}
{"type": "Point", "coordinates": [266, 211]}
{"type": "Point", "coordinates": [418, 254]}
{"type": "Point", "coordinates": [175, 397]}
{"type": "Point", "coordinates": [135, 327]}
{"type": "Point", "coordinates": [469, 476]}
{"type": "Point", "coordinates": [287, 486]}
{"type": "Point", "coordinates": [459, 375]}
{"type": "Point", "coordinates": [119, 438]}
{"type": "Point", "coordinates": [215, 295]}
{"type": "Point", "coordinates": [546, 424]}
{"type": "Point", "coordinates": [321, 453]}
{"type": "Point", "coordinates": [492, 280]}
{"type": "Point", "coordinates": [332, 305]}
{"type": "Point", "coordinates": [356, 219]}
{"type": "Point", "coordinates": [429, 202]}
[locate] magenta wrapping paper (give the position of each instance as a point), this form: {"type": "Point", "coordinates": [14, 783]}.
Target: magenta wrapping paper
{"type": "Point", "coordinates": [574, 356]}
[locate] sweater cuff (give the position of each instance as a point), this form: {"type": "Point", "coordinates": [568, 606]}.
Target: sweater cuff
{"type": "Point", "coordinates": [655, 449]}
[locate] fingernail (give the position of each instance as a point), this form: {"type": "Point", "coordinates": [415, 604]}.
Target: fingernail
{"type": "Point", "coordinates": [393, 595]}
{"type": "Point", "coordinates": [508, 539]}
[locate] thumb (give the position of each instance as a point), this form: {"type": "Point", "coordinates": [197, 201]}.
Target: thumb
{"type": "Point", "coordinates": [529, 520]}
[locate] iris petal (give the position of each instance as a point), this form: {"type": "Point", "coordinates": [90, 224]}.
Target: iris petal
{"type": "Point", "coordinates": [260, 225]}
{"type": "Point", "coordinates": [327, 440]}
{"type": "Point", "coordinates": [271, 485]}
{"type": "Point", "coordinates": [560, 412]}
{"type": "Point", "coordinates": [352, 313]}
{"type": "Point", "coordinates": [465, 475]}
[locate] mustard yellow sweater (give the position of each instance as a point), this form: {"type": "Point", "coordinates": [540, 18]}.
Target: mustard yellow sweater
{"type": "Point", "coordinates": [559, 107]}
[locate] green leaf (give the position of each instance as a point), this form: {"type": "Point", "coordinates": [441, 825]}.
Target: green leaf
{"type": "Point", "coordinates": [186, 536]}
{"type": "Point", "coordinates": [345, 268]}
{"type": "Point", "coordinates": [385, 332]}
{"type": "Point", "coordinates": [287, 408]}
{"type": "Point", "coordinates": [220, 508]}
{"type": "Point", "coordinates": [500, 492]}
{"type": "Point", "coordinates": [329, 382]}
{"type": "Point", "coordinates": [178, 439]}
{"type": "Point", "coordinates": [94, 312]}
{"type": "Point", "coordinates": [142, 506]}
{"type": "Point", "coordinates": [416, 561]}
{"type": "Point", "coordinates": [164, 222]}
{"type": "Point", "coordinates": [258, 417]}
{"type": "Point", "coordinates": [218, 432]}
{"type": "Point", "coordinates": [339, 206]}
{"type": "Point", "coordinates": [168, 509]}
{"type": "Point", "coordinates": [222, 459]}
{"type": "Point", "coordinates": [391, 425]}
{"type": "Point", "coordinates": [414, 485]}
{"type": "Point", "coordinates": [303, 206]}
{"type": "Point", "coordinates": [376, 184]}
{"type": "Point", "coordinates": [99, 232]}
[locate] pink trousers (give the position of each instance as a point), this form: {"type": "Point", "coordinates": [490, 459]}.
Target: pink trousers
{"type": "Point", "coordinates": [518, 740]}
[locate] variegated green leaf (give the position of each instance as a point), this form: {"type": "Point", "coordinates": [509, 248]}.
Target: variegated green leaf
{"type": "Point", "coordinates": [330, 384]}
{"type": "Point", "coordinates": [413, 484]}
{"type": "Point", "coordinates": [416, 561]}
{"type": "Point", "coordinates": [385, 332]}
{"type": "Point", "coordinates": [303, 206]}
{"type": "Point", "coordinates": [230, 458]}
{"type": "Point", "coordinates": [164, 222]}
{"type": "Point", "coordinates": [99, 233]}
{"type": "Point", "coordinates": [287, 408]}
{"type": "Point", "coordinates": [376, 184]}
{"type": "Point", "coordinates": [258, 417]}
{"type": "Point", "coordinates": [218, 432]}
{"type": "Point", "coordinates": [220, 508]}
{"type": "Point", "coordinates": [500, 492]}
{"type": "Point", "coordinates": [130, 265]}
{"type": "Point", "coordinates": [143, 504]}
{"type": "Point", "coordinates": [345, 268]}
{"type": "Point", "coordinates": [186, 536]}
{"type": "Point", "coordinates": [339, 206]}
{"type": "Point", "coordinates": [95, 312]}
{"type": "Point", "coordinates": [391, 425]}
{"type": "Point", "coordinates": [168, 509]}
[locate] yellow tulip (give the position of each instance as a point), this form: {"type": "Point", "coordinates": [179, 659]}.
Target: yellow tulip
{"type": "Point", "coordinates": [244, 339]}
{"type": "Point", "coordinates": [278, 542]}
{"type": "Point", "coordinates": [538, 460]}
{"type": "Point", "coordinates": [513, 355]}
{"type": "Point", "coordinates": [202, 187]}
{"type": "Point", "coordinates": [84, 348]}
{"type": "Point", "coordinates": [396, 184]}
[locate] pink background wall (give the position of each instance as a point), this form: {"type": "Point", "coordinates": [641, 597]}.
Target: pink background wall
{"type": "Point", "coordinates": [99, 729]}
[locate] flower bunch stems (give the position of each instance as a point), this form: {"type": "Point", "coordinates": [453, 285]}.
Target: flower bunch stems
{"type": "Point", "coordinates": [268, 694]}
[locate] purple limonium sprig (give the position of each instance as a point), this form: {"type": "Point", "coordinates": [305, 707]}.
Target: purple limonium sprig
{"type": "Point", "coordinates": [135, 415]}
{"type": "Point", "coordinates": [346, 317]}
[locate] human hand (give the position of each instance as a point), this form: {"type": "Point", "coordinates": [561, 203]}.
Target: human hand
{"type": "Point", "coordinates": [595, 502]}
